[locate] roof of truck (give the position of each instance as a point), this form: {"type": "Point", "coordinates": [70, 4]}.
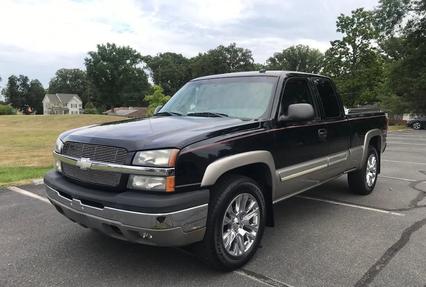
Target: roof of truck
{"type": "Point", "coordinates": [273, 73]}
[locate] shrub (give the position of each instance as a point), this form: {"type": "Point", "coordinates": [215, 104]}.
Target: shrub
{"type": "Point", "coordinates": [90, 108]}
{"type": "Point", "coordinates": [7, 110]}
{"type": "Point", "coordinates": [157, 98]}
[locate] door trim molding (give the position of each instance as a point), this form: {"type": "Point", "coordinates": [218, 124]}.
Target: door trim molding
{"type": "Point", "coordinates": [307, 167]}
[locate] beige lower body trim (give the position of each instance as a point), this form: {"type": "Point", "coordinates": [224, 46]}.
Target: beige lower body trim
{"type": "Point", "coordinates": [352, 156]}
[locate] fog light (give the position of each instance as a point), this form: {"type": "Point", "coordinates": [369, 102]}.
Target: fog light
{"type": "Point", "coordinates": [58, 166]}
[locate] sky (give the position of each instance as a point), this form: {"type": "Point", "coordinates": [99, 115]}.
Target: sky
{"type": "Point", "coordinates": [39, 37]}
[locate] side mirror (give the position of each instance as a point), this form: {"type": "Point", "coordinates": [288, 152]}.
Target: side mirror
{"type": "Point", "coordinates": [298, 113]}
{"type": "Point", "coordinates": [157, 109]}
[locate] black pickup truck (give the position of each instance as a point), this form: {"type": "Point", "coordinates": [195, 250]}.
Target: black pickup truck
{"type": "Point", "coordinates": [208, 167]}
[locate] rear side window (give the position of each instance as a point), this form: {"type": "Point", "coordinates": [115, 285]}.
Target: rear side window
{"type": "Point", "coordinates": [296, 91]}
{"type": "Point", "coordinates": [328, 97]}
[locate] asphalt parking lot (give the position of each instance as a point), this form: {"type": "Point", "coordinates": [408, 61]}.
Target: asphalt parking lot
{"type": "Point", "coordinates": [324, 237]}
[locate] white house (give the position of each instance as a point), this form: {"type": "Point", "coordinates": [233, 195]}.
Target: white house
{"type": "Point", "coordinates": [62, 104]}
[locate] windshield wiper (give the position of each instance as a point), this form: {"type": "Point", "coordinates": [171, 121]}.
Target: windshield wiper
{"type": "Point", "coordinates": [207, 114]}
{"type": "Point", "coordinates": [168, 114]}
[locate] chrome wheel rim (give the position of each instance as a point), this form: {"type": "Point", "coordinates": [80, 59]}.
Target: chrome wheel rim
{"type": "Point", "coordinates": [416, 126]}
{"type": "Point", "coordinates": [240, 224]}
{"type": "Point", "coordinates": [371, 173]}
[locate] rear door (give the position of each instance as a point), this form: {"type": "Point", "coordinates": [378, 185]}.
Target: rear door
{"type": "Point", "coordinates": [336, 127]}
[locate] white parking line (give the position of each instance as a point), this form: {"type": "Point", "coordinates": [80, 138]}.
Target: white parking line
{"type": "Point", "coordinates": [351, 205]}
{"type": "Point", "coordinates": [400, 161]}
{"type": "Point", "coordinates": [407, 138]}
{"type": "Point", "coordinates": [261, 278]}
{"type": "Point", "coordinates": [27, 193]}
{"type": "Point", "coordinates": [398, 178]}
{"type": "Point", "coordinates": [403, 143]}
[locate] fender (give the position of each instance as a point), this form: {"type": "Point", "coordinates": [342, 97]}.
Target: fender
{"type": "Point", "coordinates": [368, 136]}
{"type": "Point", "coordinates": [223, 165]}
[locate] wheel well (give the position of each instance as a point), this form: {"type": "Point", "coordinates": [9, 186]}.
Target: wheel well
{"type": "Point", "coordinates": [376, 142]}
{"type": "Point", "coordinates": [260, 173]}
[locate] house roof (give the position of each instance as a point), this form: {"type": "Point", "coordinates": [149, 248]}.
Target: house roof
{"type": "Point", "coordinates": [61, 98]}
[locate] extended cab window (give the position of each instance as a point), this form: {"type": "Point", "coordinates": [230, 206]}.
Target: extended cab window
{"type": "Point", "coordinates": [296, 91]}
{"type": "Point", "coordinates": [328, 97]}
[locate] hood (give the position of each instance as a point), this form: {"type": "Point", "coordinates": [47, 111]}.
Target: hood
{"type": "Point", "coordinates": [157, 132]}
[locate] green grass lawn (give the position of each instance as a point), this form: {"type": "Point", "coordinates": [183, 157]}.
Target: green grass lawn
{"type": "Point", "coordinates": [13, 175]}
{"type": "Point", "coordinates": [26, 143]}
{"type": "Point", "coordinates": [397, 127]}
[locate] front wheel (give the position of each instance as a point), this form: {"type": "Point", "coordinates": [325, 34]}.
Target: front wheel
{"type": "Point", "coordinates": [235, 223]}
{"type": "Point", "coordinates": [364, 180]}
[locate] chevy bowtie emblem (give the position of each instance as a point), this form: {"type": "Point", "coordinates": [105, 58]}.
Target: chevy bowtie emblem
{"type": "Point", "coordinates": [84, 163]}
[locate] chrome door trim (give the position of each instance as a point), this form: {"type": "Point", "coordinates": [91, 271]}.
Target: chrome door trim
{"type": "Point", "coordinates": [304, 168]}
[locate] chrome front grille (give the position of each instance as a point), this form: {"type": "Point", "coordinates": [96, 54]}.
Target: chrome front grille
{"type": "Point", "coordinates": [105, 178]}
{"type": "Point", "coordinates": [95, 153]}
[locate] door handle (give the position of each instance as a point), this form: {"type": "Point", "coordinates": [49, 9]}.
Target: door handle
{"type": "Point", "coordinates": [322, 133]}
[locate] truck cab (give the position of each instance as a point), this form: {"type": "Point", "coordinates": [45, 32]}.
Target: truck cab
{"type": "Point", "coordinates": [208, 167]}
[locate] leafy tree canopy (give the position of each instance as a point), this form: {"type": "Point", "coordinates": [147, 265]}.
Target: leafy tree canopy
{"type": "Point", "coordinates": [169, 70]}
{"type": "Point", "coordinates": [297, 58]}
{"type": "Point", "coordinates": [22, 93]}
{"type": "Point", "coordinates": [70, 81]}
{"type": "Point", "coordinates": [117, 74]}
{"type": "Point", "coordinates": [407, 76]}
{"type": "Point", "coordinates": [354, 61]}
{"type": "Point", "coordinates": [222, 60]}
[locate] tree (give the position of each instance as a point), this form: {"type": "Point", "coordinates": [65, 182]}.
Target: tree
{"type": "Point", "coordinates": [90, 108]}
{"type": "Point", "coordinates": [7, 110]}
{"type": "Point", "coordinates": [36, 94]}
{"type": "Point", "coordinates": [117, 75]}
{"type": "Point", "coordinates": [70, 81]}
{"type": "Point", "coordinates": [22, 93]}
{"type": "Point", "coordinates": [169, 70]}
{"type": "Point", "coordinates": [11, 92]}
{"type": "Point", "coordinates": [354, 61]}
{"type": "Point", "coordinates": [155, 99]}
{"type": "Point", "coordinates": [222, 60]}
{"type": "Point", "coordinates": [297, 58]}
{"type": "Point", "coordinates": [407, 76]}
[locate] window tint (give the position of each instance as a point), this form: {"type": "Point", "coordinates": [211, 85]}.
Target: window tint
{"type": "Point", "coordinates": [328, 97]}
{"type": "Point", "coordinates": [296, 91]}
{"type": "Point", "coordinates": [240, 97]}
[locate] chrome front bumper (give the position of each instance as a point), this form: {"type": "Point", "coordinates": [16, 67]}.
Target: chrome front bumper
{"type": "Point", "coordinates": [176, 228]}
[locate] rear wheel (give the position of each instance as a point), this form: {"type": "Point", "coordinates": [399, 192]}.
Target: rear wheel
{"type": "Point", "coordinates": [417, 125]}
{"type": "Point", "coordinates": [235, 223]}
{"type": "Point", "coordinates": [364, 180]}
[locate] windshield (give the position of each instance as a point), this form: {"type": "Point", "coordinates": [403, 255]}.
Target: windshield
{"type": "Point", "coordinates": [239, 97]}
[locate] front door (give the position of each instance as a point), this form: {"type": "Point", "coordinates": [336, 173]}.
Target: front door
{"type": "Point", "coordinates": [301, 148]}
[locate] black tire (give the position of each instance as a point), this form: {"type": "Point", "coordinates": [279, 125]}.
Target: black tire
{"type": "Point", "coordinates": [358, 179]}
{"type": "Point", "coordinates": [212, 249]}
{"type": "Point", "coordinates": [416, 125]}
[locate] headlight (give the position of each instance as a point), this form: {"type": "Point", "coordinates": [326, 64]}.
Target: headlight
{"type": "Point", "coordinates": [59, 145]}
{"type": "Point", "coordinates": [157, 158]}
{"type": "Point", "coordinates": [152, 183]}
